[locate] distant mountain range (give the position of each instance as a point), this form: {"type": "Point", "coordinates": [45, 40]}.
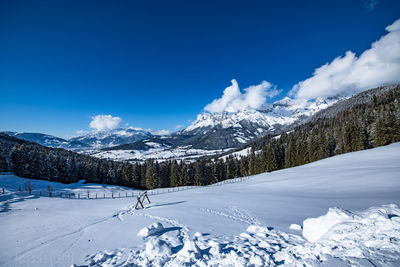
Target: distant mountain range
{"type": "Point", "coordinates": [50, 140]}
{"type": "Point", "coordinates": [209, 134]}
{"type": "Point", "coordinates": [109, 138]}
{"type": "Point", "coordinates": [215, 133]}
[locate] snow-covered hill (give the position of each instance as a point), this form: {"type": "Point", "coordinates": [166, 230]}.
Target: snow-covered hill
{"type": "Point", "coordinates": [283, 217]}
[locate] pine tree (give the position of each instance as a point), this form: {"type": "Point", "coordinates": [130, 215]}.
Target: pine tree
{"type": "Point", "coordinates": [198, 173]}
{"type": "Point", "coordinates": [150, 174]}
{"type": "Point", "coordinates": [244, 169]}
{"type": "Point", "coordinates": [165, 174]}
{"type": "Point", "coordinates": [174, 176]}
{"type": "Point", "coordinates": [252, 163]}
{"type": "Point", "coordinates": [183, 174]}
{"type": "Point", "coordinates": [270, 159]}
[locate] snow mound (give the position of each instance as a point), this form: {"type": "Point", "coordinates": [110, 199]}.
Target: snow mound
{"type": "Point", "coordinates": [338, 238]}
{"type": "Point", "coordinates": [157, 248]}
{"type": "Point", "coordinates": [372, 235]}
{"type": "Point", "coordinates": [152, 229]}
{"type": "Point", "coordinates": [315, 228]}
{"type": "Point", "coordinates": [190, 250]}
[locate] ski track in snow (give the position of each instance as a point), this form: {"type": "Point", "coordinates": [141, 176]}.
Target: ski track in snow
{"type": "Point", "coordinates": [236, 214]}
{"type": "Point", "coordinates": [50, 241]}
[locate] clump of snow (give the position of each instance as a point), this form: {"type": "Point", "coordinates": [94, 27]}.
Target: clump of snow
{"type": "Point", "coordinates": [190, 250]}
{"type": "Point", "coordinates": [157, 248]}
{"type": "Point", "coordinates": [315, 228]}
{"type": "Point", "coordinates": [152, 229]}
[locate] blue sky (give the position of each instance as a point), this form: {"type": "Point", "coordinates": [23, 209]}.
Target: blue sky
{"type": "Point", "coordinates": [157, 64]}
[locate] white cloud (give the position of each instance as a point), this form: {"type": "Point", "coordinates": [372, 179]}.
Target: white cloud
{"type": "Point", "coordinates": [104, 122]}
{"type": "Point", "coordinates": [179, 126]}
{"type": "Point", "coordinates": [234, 100]}
{"type": "Point", "coordinates": [350, 74]}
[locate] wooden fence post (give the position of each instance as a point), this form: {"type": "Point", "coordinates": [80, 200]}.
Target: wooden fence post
{"type": "Point", "coordinates": [96, 195]}
{"type": "Point", "coordinates": [79, 195]}
{"type": "Point", "coordinates": [119, 195]}
{"type": "Point", "coordinates": [139, 202]}
{"type": "Point", "coordinates": [104, 195]}
{"type": "Point", "coordinates": [146, 197]}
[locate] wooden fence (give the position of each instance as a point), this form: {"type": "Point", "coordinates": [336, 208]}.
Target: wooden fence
{"type": "Point", "coordinates": [113, 195]}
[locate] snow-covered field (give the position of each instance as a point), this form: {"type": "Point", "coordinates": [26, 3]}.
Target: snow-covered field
{"type": "Point", "coordinates": [160, 153]}
{"type": "Point", "coordinates": [285, 217]}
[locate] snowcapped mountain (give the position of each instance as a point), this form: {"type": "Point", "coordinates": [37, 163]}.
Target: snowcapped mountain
{"type": "Point", "coordinates": [245, 125]}
{"type": "Point", "coordinates": [49, 140]}
{"type": "Point", "coordinates": [115, 137]}
{"type": "Point", "coordinates": [215, 133]}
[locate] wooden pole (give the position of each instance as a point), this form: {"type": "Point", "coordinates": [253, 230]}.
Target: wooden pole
{"type": "Point", "coordinates": [146, 197]}
{"type": "Point", "coordinates": [139, 202]}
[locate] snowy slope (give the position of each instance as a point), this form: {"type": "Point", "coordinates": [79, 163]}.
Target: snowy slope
{"type": "Point", "coordinates": [245, 223]}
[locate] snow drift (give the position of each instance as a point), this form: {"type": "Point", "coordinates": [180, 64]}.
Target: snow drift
{"type": "Point", "coordinates": [338, 237]}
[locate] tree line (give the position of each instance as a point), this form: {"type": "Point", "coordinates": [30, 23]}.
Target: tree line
{"type": "Point", "coordinates": [362, 126]}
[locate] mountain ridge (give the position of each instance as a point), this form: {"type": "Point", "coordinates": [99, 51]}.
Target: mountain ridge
{"type": "Point", "coordinates": [210, 133]}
